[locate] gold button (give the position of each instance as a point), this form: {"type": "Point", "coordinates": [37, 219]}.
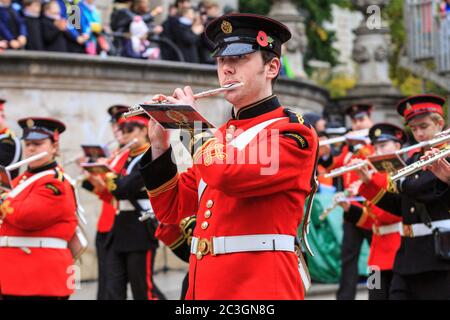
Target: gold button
{"type": "Point", "coordinates": [209, 204]}
{"type": "Point", "coordinates": [416, 176]}
{"type": "Point", "coordinates": [412, 209]}
{"type": "Point", "coordinates": [207, 214]}
{"type": "Point", "coordinates": [232, 128]}
{"type": "Point", "coordinates": [205, 225]}
{"type": "Point", "coordinates": [228, 137]}
{"type": "Point", "coordinates": [199, 255]}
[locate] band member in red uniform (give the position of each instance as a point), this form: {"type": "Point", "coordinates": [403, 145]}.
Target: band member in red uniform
{"type": "Point", "coordinates": [248, 212]}
{"type": "Point", "coordinates": [95, 184]}
{"type": "Point", "coordinates": [386, 138]}
{"type": "Point", "coordinates": [353, 236]}
{"type": "Point", "coordinates": [131, 243]}
{"type": "Point", "coordinates": [422, 266]}
{"type": "Point", "coordinates": [38, 220]}
{"type": "Point", "coordinates": [10, 148]}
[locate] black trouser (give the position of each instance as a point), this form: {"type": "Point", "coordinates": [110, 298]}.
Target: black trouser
{"type": "Point", "coordinates": [432, 285]}
{"type": "Point", "coordinates": [184, 287]}
{"type": "Point", "coordinates": [100, 245]}
{"type": "Point", "coordinates": [381, 290]}
{"type": "Point", "coordinates": [351, 247]}
{"type": "Point", "coordinates": [135, 268]}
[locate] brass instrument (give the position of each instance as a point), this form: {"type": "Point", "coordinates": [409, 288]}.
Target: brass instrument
{"type": "Point", "coordinates": [418, 165]}
{"type": "Point", "coordinates": [352, 135]}
{"type": "Point", "coordinates": [138, 110]}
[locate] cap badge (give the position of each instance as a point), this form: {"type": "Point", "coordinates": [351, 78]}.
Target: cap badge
{"type": "Point", "coordinates": [226, 27]}
{"type": "Point", "coordinates": [30, 123]}
{"type": "Point", "coordinates": [114, 110]}
{"type": "Point", "coordinates": [377, 132]}
{"type": "Point", "coordinates": [408, 106]}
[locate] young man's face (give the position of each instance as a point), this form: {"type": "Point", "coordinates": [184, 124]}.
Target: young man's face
{"type": "Point", "coordinates": [250, 70]}
{"type": "Point", "coordinates": [320, 125]}
{"type": "Point", "coordinates": [34, 147]}
{"type": "Point", "coordinates": [362, 123]}
{"type": "Point", "coordinates": [386, 147]}
{"type": "Point", "coordinates": [424, 128]}
{"type": "Point", "coordinates": [131, 132]}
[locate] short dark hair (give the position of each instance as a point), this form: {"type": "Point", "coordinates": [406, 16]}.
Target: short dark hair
{"type": "Point", "coordinates": [267, 56]}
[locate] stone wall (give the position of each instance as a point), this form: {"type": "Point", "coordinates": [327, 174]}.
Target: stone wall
{"type": "Point", "coordinates": [78, 89]}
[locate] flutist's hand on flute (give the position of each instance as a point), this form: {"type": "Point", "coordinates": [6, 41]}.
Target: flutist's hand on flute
{"type": "Point", "coordinates": [364, 173]}
{"type": "Point", "coordinates": [159, 137]}
{"type": "Point", "coordinates": [440, 168]}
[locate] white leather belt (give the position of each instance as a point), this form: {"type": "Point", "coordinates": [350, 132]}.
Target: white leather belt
{"type": "Point", "coordinates": [32, 242]}
{"type": "Point", "coordinates": [257, 242]}
{"type": "Point", "coordinates": [387, 229]}
{"type": "Point", "coordinates": [249, 243]}
{"type": "Point", "coordinates": [126, 205]}
{"type": "Point", "coordinates": [421, 229]}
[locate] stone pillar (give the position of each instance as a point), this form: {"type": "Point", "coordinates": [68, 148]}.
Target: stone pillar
{"type": "Point", "coordinates": [286, 12]}
{"type": "Point", "coordinates": [371, 52]}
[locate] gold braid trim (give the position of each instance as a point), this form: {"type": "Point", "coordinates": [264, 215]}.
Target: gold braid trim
{"type": "Point", "coordinates": [363, 217]}
{"type": "Point", "coordinates": [392, 186]}
{"type": "Point", "coordinates": [172, 183]}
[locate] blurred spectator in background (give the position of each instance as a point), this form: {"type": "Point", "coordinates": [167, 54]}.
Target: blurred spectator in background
{"type": "Point", "coordinates": [92, 18]}
{"type": "Point", "coordinates": [31, 12]}
{"type": "Point", "coordinates": [77, 36]}
{"type": "Point", "coordinates": [54, 28]}
{"type": "Point", "coordinates": [12, 27]}
{"type": "Point", "coordinates": [209, 10]}
{"type": "Point", "coordinates": [139, 46]}
{"type": "Point", "coordinates": [124, 18]}
{"type": "Point", "coordinates": [187, 38]}
{"type": "Point", "coordinates": [171, 28]}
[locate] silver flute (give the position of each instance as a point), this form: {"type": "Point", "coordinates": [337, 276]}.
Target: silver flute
{"type": "Point", "coordinates": [418, 165]}
{"type": "Point", "coordinates": [26, 161]}
{"type": "Point", "coordinates": [357, 135]}
{"type": "Point", "coordinates": [344, 169]}
{"type": "Point", "coordinates": [439, 138]}
{"type": "Point", "coordinates": [139, 110]}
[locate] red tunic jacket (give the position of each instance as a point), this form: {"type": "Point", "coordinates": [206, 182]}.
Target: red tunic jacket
{"type": "Point", "coordinates": [240, 200]}
{"type": "Point", "coordinates": [46, 208]}
{"type": "Point", "coordinates": [383, 248]}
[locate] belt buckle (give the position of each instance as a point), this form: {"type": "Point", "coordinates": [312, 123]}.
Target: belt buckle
{"type": "Point", "coordinates": [408, 231]}
{"type": "Point", "coordinates": [204, 246]}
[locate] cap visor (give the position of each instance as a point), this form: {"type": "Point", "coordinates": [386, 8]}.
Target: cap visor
{"type": "Point", "coordinates": [234, 49]}
{"type": "Point", "coordinates": [33, 135]}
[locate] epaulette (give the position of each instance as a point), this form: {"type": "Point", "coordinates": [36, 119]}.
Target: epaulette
{"type": "Point", "coordinates": [59, 175]}
{"type": "Point", "coordinates": [295, 117]}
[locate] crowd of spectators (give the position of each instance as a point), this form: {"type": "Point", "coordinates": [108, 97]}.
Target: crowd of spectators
{"type": "Point", "coordinates": [76, 26]}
